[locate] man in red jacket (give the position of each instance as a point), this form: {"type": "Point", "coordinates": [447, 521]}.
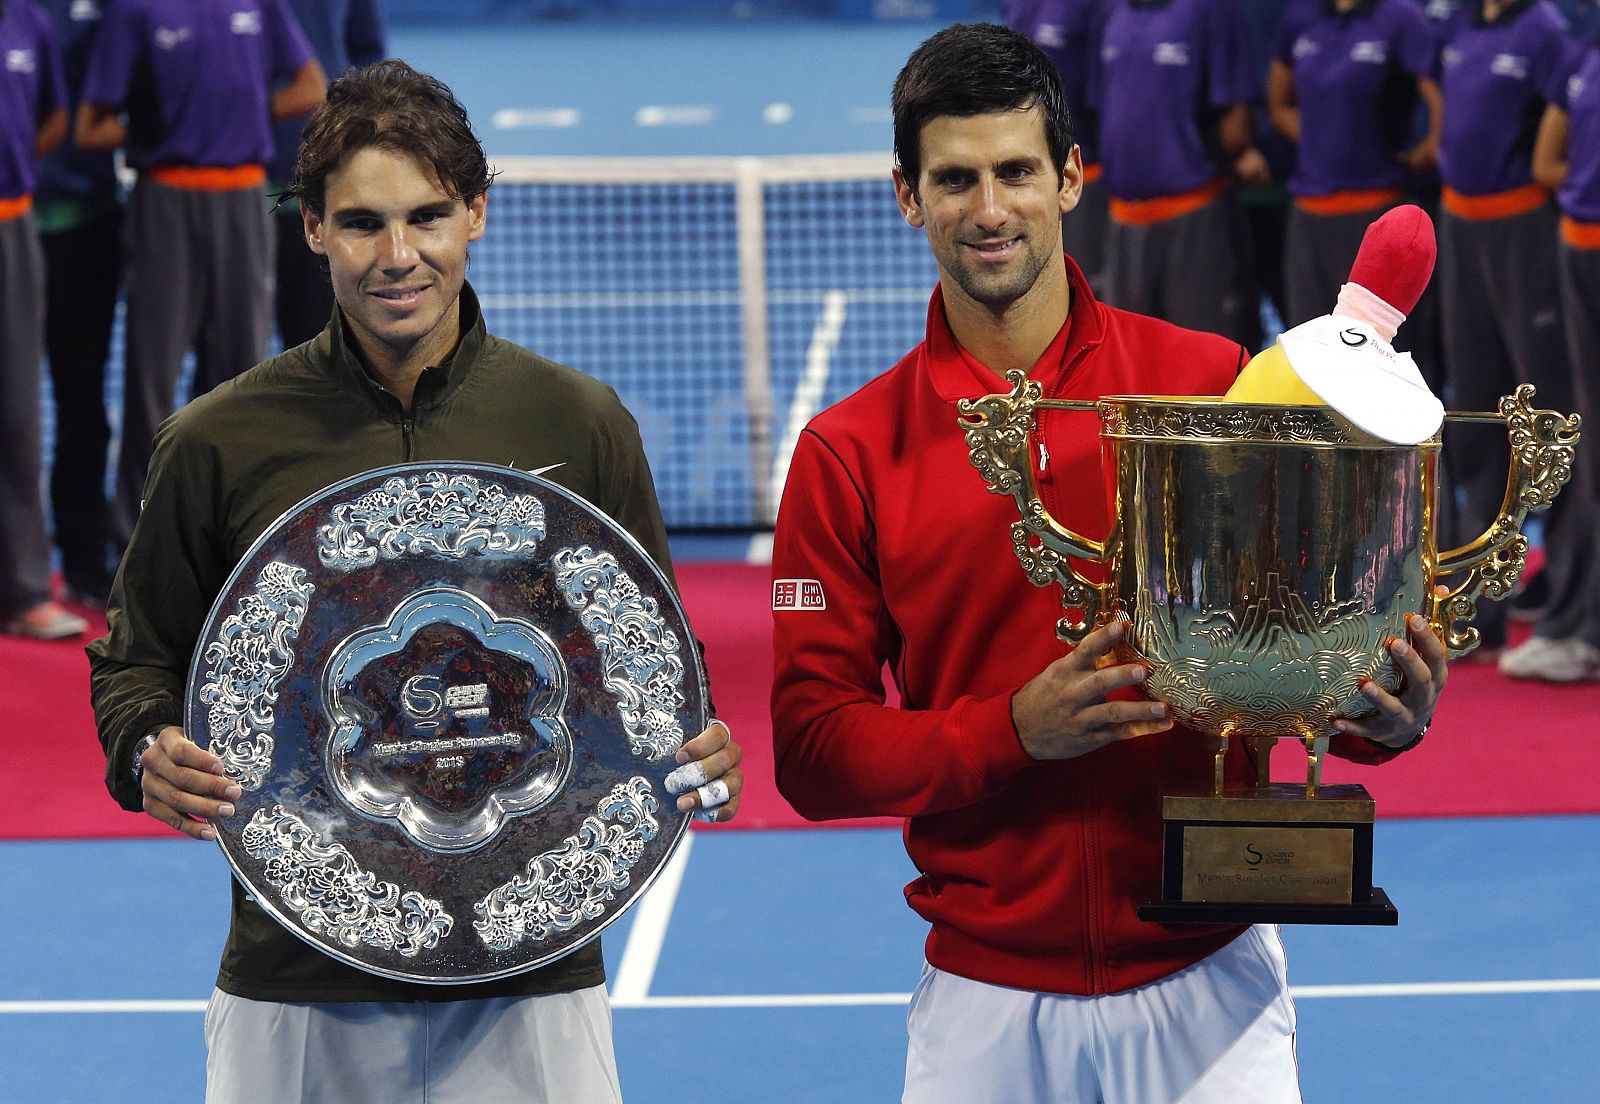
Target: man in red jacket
{"type": "Point", "coordinates": [1030, 776]}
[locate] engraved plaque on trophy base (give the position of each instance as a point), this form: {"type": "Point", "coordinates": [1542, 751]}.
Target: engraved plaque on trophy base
{"type": "Point", "coordinates": [1270, 854]}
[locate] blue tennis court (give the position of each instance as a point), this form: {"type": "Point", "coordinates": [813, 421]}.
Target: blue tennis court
{"type": "Point", "coordinates": [778, 969]}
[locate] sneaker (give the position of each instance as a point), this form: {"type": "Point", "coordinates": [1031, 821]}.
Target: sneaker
{"type": "Point", "coordinates": [46, 621]}
{"type": "Point", "coordinates": [1565, 660]}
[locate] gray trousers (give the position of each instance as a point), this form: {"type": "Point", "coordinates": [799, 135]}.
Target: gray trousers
{"type": "Point", "coordinates": [1500, 306]}
{"type": "Point", "coordinates": [24, 545]}
{"type": "Point", "coordinates": [199, 267]}
{"type": "Point", "coordinates": [1575, 607]}
{"type": "Point", "coordinates": [551, 1049]}
{"type": "Point", "coordinates": [1193, 271]}
{"type": "Point", "coordinates": [1317, 253]}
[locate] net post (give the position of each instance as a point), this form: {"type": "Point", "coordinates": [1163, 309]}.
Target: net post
{"type": "Point", "coordinates": [749, 200]}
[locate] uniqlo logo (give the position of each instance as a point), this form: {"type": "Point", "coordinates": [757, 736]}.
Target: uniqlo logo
{"type": "Point", "coordinates": [798, 594]}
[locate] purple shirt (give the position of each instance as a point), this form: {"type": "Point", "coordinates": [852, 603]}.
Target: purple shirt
{"type": "Point", "coordinates": [195, 76]}
{"type": "Point", "coordinates": [1068, 33]}
{"type": "Point", "coordinates": [1166, 66]}
{"type": "Point", "coordinates": [1579, 195]}
{"type": "Point", "coordinates": [31, 87]}
{"type": "Point", "coordinates": [1497, 79]}
{"type": "Point", "coordinates": [1355, 79]}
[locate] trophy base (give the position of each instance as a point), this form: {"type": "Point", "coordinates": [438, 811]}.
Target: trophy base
{"type": "Point", "coordinates": [1270, 854]}
{"type": "Point", "coordinates": [1377, 912]}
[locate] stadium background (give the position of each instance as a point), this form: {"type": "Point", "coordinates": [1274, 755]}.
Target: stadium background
{"type": "Point", "coordinates": [777, 968]}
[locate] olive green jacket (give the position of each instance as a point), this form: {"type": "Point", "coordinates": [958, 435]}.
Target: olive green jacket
{"type": "Point", "coordinates": [231, 462]}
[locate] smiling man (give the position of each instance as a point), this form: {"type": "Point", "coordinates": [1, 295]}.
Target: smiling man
{"type": "Point", "coordinates": [394, 188]}
{"type": "Point", "coordinates": [1030, 775]}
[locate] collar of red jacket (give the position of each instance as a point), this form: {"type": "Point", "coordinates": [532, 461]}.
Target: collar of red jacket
{"type": "Point", "coordinates": [957, 374]}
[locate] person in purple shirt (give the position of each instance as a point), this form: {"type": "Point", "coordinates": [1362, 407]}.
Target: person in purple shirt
{"type": "Point", "coordinates": [1343, 83]}
{"type": "Point", "coordinates": [1068, 33]}
{"type": "Point", "coordinates": [1500, 300]}
{"type": "Point", "coordinates": [1567, 159]}
{"type": "Point", "coordinates": [33, 120]}
{"type": "Point", "coordinates": [1174, 92]}
{"type": "Point", "coordinates": [195, 80]}
{"type": "Point", "coordinates": [343, 34]}
{"type": "Point", "coordinates": [79, 206]}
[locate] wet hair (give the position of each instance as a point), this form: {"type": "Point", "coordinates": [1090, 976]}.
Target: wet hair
{"type": "Point", "coordinates": [973, 69]}
{"type": "Point", "coordinates": [389, 105]}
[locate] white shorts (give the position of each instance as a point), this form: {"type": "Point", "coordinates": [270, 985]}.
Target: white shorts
{"type": "Point", "coordinates": [554, 1047]}
{"type": "Point", "coordinates": [1219, 1032]}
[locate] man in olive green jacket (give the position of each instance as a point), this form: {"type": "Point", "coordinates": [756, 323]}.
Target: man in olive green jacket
{"type": "Point", "coordinates": [394, 186]}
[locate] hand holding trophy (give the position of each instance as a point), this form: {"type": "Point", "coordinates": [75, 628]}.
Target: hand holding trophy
{"type": "Point", "coordinates": [1264, 548]}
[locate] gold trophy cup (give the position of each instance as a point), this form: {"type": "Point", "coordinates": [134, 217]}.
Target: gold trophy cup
{"type": "Point", "coordinates": [1263, 556]}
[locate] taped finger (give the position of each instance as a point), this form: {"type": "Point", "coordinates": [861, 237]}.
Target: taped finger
{"type": "Point", "coordinates": [710, 816]}
{"type": "Point", "coordinates": [685, 778]}
{"type": "Point", "coordinates": [712, 794]}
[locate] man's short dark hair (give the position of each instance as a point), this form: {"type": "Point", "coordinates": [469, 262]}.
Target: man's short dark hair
{"type": "Point", "coordinates": [390, 105]}
{"type": "Point", "coordinates": [973, 69]}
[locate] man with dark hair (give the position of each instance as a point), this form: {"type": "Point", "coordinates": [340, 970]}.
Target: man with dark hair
{"type": "Point", "coordinates": [394, 189]}
{"type": "Point", "coordinates": [1030, 775]}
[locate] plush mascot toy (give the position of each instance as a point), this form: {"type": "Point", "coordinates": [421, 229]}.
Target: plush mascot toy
{"type": "Point", "coordinates": [1345, 359]}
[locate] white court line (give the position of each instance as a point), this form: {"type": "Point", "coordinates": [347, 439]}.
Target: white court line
{"type": "Point", "coordinates": [658, 115]}
{"type": "Point", "coordinates": [649, 931]}
{"type": "Point", "coordinates": [844, 1000]}
{"type": "Point", "coordinates": [535, 118]}
{"type": "Point", "coordinates": [779, 1000]}
{"type": "Point", "coordinates": [1448, 988]}
{"type": "Point", "coordinates": [55, 1008]}
{"type": "Point", "coordinates": [813, 381]}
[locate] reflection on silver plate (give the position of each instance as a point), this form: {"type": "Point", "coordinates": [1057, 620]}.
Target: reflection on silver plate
{"type": "Point", "coordinates": [451, 694]}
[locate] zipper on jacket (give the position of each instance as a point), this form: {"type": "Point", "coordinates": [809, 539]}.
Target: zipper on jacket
{"type": "Point", "coordinates": [408, 437]}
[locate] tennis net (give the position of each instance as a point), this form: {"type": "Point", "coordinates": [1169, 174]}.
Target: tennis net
{"type": "Point", "coordinates": [726, 299]}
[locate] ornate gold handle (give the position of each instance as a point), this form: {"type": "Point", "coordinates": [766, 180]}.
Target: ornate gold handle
{"type": "Point", "coordinates": [1542, 444]}
{"type": "Point", "coordinates": [999, 431]}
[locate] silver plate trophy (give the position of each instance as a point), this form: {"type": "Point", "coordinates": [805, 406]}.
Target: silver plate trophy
{"type": "Point", "coordinates": [451, 694]}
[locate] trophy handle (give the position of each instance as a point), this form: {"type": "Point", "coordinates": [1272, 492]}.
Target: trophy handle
{"type": "Point", "coordinates": [1542, 444]}
{"type": "Point", "coordinates": [999, 432]}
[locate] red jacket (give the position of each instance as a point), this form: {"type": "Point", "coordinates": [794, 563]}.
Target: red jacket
{"type": "Point", "coordinates": [1031, 872]}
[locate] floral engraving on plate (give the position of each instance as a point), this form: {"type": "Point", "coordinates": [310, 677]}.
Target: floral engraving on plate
{"type": "Point", "coordinates": [432, 514]}
{"type": "Point", "coordinates": [563, 887]}
{"type": "Point", "coordinates": [1227, 422]}
{"type": "Point", "coordinates": [244, 666]}
{"type": "Point", "coordinates": [640, 655]}
{"type": "Point", "coordinates": [325, 887]}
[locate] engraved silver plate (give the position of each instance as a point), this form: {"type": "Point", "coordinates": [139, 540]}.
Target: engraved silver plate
{"type": "Point", "coordinates": [451, 694]}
